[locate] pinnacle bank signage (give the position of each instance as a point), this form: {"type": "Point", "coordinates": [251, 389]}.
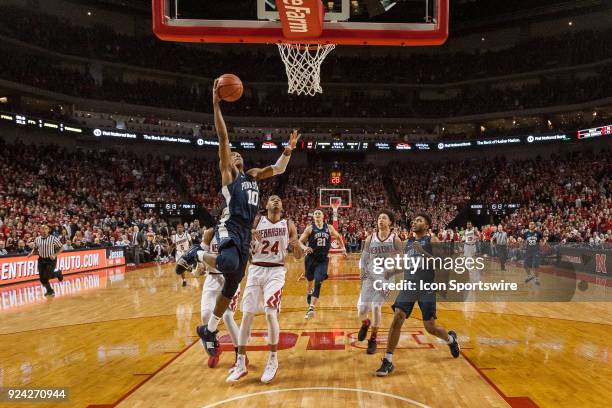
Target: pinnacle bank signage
{"type": "Point", "coordinates": [335, 144]}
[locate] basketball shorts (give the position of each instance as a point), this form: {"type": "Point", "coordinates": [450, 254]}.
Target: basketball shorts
{"type": "Point", "coordinates": [315, 269]}
{"type": "Point", "coordinates": [369, 294]}
{"type": "Point", "coordinates": [532, 259]}
{"type": "Point", "coordinates": [264, 287]}
{"type": "Point", "coordinates": [211, 290]}
{"type": "Point", "coordinates": [426, 301]}
{"type": "Point", "coordinates": [469, 251]}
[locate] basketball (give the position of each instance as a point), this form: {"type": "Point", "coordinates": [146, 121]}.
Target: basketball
{"type": "Point", "coordinates": [229, 87]}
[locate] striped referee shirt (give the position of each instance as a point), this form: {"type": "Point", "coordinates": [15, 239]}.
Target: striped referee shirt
{"type": "Point", "coordinates": [47, 246]}
{"type": "Point", "coordinates": [501, 238]}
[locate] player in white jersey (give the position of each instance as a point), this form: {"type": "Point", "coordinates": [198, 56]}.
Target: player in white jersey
{"type": "Point", "coordinates": [470, 238]}
{"type": "Point", "coordinates": [381, 244]}
{"type": "Point", "coordinates": [273, 236]}
{"type": "Point", "coordinates": [213, 283]}
{"type": "Point", "coordinates": [181, 242]}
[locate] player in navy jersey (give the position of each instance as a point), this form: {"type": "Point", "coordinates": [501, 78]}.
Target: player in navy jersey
{"type": "Point", "coordinates": [233, 231]}
{"type": "Point", "coordinates": [318, 235]}
{"type": "Point", "coordinates": [532, 253]}
{"type": "Point", "coordinates": [416, 247]}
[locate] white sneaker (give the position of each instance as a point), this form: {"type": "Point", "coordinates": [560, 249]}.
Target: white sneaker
{"type": "Point", "coordinates": [309, 314]}
{"type": "Point", "coordinates": [237, 373]}
{"type": "Point", "coordinates": [270, 371]}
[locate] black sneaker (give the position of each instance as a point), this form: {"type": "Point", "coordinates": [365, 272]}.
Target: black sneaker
{"type": "Point", "coordinates": [308, 297]}
{"type": "Point", "coordinates": [385, 369]}
{"type": "Point", "coordinates": [363, 331]}
{"type": "Point", "coordinates": [60, 275]}
{"type": "Point", "coordinates": [371, 346]}
{"type": "Point", "coordinates": [184, 283]}
{"type": "Point", "coordinates": [209, 340]}
{"type": "Point", "coordinates": [454, 346]}
{"type": "Point", "coordinates": [50, 293]}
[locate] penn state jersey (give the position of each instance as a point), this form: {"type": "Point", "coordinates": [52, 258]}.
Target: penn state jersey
{"type": "Point", "coordinates": [181, 241]}
{"type": "Point", "coordinates": [273, 243]}
{"type": "Point", "coordinates": [380, 249]}
{"type": "Point", "coordinates": [532, 239]}
{"type": "Point", "coordinates": [320, 241]}
{"type": "Point", "coordinates": [241, 202]}
{"type": "Point", "coordinates": [424, 273]}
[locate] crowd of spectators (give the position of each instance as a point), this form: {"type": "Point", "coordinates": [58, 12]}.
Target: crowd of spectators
{"type": "Point", "coordinates": [94, 198]}
{"type": "Point", "coordinates": [101, 42]}
{"type": "Point", "coordinates": [440, 189]}
{"type": "Point", "coordinates": [570, 197]}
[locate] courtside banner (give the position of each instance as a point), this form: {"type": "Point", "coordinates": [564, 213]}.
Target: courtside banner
{"type": "Point", "coordinates": [15, 269]}
{"type": "Point", "coordinates": [16, 297]}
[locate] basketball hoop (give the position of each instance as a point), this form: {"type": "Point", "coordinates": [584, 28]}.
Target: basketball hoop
{"type": "Point", "coordinates": [303, 66]}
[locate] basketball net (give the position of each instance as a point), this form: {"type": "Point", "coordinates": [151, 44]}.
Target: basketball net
{"type": "Point", "coordinates": [303, 66]}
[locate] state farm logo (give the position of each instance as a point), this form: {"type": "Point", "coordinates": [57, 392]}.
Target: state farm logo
{"type": "Point", "coordinates": [530, 139]}
{"type": "Point", "coordinates": [301, 18]}
{"type": "Point", "coordinates": [97, 132]}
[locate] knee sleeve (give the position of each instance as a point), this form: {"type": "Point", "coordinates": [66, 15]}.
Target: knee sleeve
{"type": "Point", "coordinates": [245, 329]}
{"type": "Point", "coordinates": [232, 327]}
{"type": "Point", "coordinates": [317, 289]}
{"type": "Point", "coordinates": [376, 315]}
{"type": "Point", "coordinates": [228, 260]}
{"type": "Point", "coordinates": [273, 326]}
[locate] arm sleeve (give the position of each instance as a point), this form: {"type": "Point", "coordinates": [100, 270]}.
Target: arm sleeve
{"type": "Point", "coordinates": [281, 164]}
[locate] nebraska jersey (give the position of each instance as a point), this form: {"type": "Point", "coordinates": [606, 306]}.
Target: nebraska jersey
{"type": "Point", "coordinates": [380, 249]}
{"type": "Point", "coordinates": [213, 249]}
{"type": "Point", "coordinates": [469, 236]}
{"type": "Point", "coordinates": [182, 241]}
{"type": "Point", "coordinates": [273, 242]}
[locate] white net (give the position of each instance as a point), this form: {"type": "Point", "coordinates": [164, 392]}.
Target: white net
{"type": "Point", "coordinates": [303, 66]}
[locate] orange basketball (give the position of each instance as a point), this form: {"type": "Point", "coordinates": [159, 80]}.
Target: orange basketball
{"type": "Point", "coordinates": [229, 87]}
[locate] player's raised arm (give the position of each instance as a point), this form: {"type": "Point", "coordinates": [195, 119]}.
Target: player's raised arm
{"type": "Point", "coordinates": [295, 243]}
{"type": "Point", "coordinates": [281, 164]}
{"type": "Point", "coordinates": [225, 154]}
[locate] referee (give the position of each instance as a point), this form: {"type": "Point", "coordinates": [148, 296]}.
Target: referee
{"type": "Point", "coordinates": [47, 247]}
{"type": "Point", "coordinates": [501, 245]}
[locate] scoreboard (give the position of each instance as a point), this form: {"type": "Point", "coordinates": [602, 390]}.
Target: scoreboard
{"type": "Point", "coordinates": [595, 132]}
{"type": "Point", "coordinates": [170, 209]}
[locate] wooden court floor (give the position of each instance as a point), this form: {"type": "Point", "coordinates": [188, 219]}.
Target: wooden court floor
{"type": "Point", "coordinates": [130, 342]}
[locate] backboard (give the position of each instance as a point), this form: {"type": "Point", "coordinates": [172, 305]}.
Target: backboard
{"type": "Point", "coordinates": [329, 196]}
{"type": "Point", "coordinates": [347, 22]}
